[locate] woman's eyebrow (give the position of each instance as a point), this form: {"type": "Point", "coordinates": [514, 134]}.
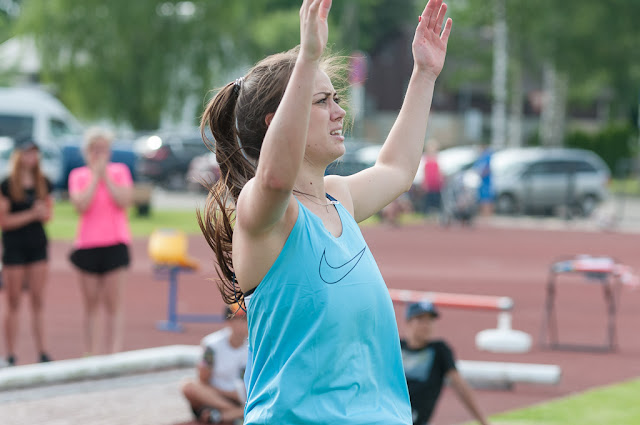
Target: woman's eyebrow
{"type": "Point", "coordinates": [325, 93]}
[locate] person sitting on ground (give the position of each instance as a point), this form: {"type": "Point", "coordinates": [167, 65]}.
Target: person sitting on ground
{"type": "Point", "coordinates": [427, 363]}
{"type": "Point", "coordinates": [218, 394]}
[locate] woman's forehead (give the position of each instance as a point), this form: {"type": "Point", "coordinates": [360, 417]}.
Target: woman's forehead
{"type": "Point", "coordinates": [323, 82]}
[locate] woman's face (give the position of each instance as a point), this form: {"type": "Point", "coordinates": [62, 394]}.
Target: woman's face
{"type": "Point", "coordinates": [325, 142]}
{"type": "Point", "coordinates": [29, 158]}
{"type": "Point", "coordinates": [421, 327]}
{"type": "Point", "coordinates": [98, 150]}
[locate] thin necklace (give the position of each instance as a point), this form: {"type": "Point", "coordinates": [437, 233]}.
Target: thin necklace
{"type": "Point", "coordinates": [310, 197]}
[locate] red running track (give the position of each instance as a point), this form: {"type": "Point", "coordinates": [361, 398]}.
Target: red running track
{"type": "Point", "coordinates": [481, 261]}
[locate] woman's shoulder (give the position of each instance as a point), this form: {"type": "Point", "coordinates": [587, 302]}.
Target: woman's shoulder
{"type": "Point", "coordinates": [79, 171]}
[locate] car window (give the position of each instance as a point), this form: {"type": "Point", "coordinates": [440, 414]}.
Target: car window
{"type": "Point", "coordinates": [541, 168]}
{"type": "Point", "coordinates": [59, 128]}
{"type": "Point", "coordinates": [15, 125]}
{"type": "Point", "coordinates": [584, 167]}
{"type": "Point", "coordinates": [194, 146]}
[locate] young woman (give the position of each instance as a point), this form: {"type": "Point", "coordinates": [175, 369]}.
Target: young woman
{"type": "Point", "coordinates": [25, 204]}
{"type": "Point", "coordinates": [101, 191]}
{"type": "Point", "coordinates": [323, 340]}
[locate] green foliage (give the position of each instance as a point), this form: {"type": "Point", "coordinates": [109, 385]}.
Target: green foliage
{"type": "Point", "coordinates": [615, 144]}
{"type": "Point", "coordinates": [125, 60]}
{"type": "Point", "coordinates": [595, 43]}
{"type": "Point", "coordinates": [131, 60]}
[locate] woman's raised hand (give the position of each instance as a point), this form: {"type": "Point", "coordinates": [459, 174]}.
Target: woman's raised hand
{"type": "Point", "coordinates": [430, 41]}
{"type": "Point", "coordinates": [314, 29]}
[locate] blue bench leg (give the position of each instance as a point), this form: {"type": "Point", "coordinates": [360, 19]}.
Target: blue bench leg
{"type": "Point", "coordinates": [171, 324]}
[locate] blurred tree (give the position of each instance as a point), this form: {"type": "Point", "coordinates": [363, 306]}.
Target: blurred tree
{"type": "Point", "coordinates": [580, 50]}
{"type": "Point", "coordinates": [130, 61]}
{"type": "Point", "coordinates": [9, 10]}
{"type": "Point", "coordinates": [125, 60]}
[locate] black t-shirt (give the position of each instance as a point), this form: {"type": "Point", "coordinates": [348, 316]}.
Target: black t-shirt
{"type": "Point", "coordinates": [31, 233]}
{"type": "Point", "coordinates": [425, 370]}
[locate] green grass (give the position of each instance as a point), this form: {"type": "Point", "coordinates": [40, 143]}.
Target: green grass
{"type": "Point", "coordinates": [628, 186]}
{"type": "Point", "coordinates": [612, 405]}
{"type": "Point", "coordinates": [65, 220]}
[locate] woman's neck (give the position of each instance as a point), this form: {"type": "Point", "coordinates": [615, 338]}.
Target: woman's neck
{"type": "Point", "coordinates": [310, 185]}
{"type": "Point", "coordinates": [26, 178]}
{"type": "Point", "coordinates": [236, 340]}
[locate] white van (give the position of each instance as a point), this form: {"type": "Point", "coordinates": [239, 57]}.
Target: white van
{"type": "Point", "coordinates": [34, 111]}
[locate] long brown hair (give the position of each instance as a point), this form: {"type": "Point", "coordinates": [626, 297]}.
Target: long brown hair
{"type": "Point", "coordinates": [236, 118]}
{"type": "Point", "coordinates": [16, 188]}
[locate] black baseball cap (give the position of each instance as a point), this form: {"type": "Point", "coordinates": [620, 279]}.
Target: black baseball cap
{"type": "Point", "coordinates": [24, 143]}
{"type": "Point", "coordinates": [422, 307]}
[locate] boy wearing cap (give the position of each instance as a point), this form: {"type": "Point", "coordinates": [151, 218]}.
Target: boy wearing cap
{"type": "Point", "coordinates": [427, 363]}
{"type": "Point", "coordinates": [218, 394]}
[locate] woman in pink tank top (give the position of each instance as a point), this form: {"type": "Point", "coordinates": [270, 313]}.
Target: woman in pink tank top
{"type": "Point", "coordinates": [101, 192]}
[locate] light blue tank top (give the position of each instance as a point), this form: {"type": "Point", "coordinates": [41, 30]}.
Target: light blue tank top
{"type": "Point", "coordinates": [323, 339]}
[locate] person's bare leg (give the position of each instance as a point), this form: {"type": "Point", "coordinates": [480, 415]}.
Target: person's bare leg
{"type": "Point", "coordinates": [232, 414]}
{"type": "Point", "coordinates": [200, 395]}
{"type": "Point", "coordinates": [13, 276]}
{"type": "Point", "coordinates": [36, 275]}
{"type": "Point", "coordinates": [89, 284]}
{"type": "Point", "coordinates": [114, 304]}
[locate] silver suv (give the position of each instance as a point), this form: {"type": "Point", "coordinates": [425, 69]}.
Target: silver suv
{"type": "Point", "coordinates": [542, 179]}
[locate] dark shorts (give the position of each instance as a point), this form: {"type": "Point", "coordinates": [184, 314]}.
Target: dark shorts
{"type": "Point", "coordinates": [101, 260]}
{"type": "Point", "coordinates": [17, 253]}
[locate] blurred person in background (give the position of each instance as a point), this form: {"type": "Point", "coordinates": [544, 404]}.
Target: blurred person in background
{"type": "Point", "coordinates": [101, 192]}
{"type": "Point", "coordinates": [218, 394]}
{"type": "Point", "coordinates": [486, 195]}
{"type": "Point", "coordinates": [323, 340]}
{"type": "Point", "coordinates": [433, 178]}
{"type": "Point", "coordinates": [428, 363]}
{"type": "Point", "coordinates": [25, 205]}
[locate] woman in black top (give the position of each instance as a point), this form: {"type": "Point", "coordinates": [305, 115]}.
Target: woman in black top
{"type": "Point", "coordinates": [25, 204]}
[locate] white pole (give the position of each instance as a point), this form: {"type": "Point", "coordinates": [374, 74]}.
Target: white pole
{"type": "Point", "coordinates": [499, 83]}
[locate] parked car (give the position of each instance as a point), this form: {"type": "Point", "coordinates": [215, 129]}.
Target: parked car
{"type": "Point", "coordinates": [353, 160]}
{"type": "Point", "coordinates": [202, 169]}
{"type": "Point", "coordinates": [543, 179]}
{"type": "Point", "coordinates": [165, 156]}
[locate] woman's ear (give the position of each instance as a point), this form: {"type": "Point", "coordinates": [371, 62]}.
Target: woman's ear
{"type": "Point", "coordinates": [269, 118]}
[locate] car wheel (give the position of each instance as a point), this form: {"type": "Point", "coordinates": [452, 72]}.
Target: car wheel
{"type": "Point", "coordinates": [506, 204]}
{"type": "Point", "coordinates": [588, 204]}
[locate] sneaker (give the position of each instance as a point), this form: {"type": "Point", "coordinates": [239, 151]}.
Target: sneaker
{"type": "Point", "coordinates": [11, 360]}
{"type": "Point", "coordinates": [44, 358]}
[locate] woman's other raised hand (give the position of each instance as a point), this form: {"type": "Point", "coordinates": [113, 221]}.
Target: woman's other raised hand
{"type": "Point", "coordinates": [314, 29]}
{"type": "Point", "coordinates": [430, 41]}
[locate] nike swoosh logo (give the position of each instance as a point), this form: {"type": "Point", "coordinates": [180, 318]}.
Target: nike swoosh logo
{"type": "Point", "coordinates": [330, 274]}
